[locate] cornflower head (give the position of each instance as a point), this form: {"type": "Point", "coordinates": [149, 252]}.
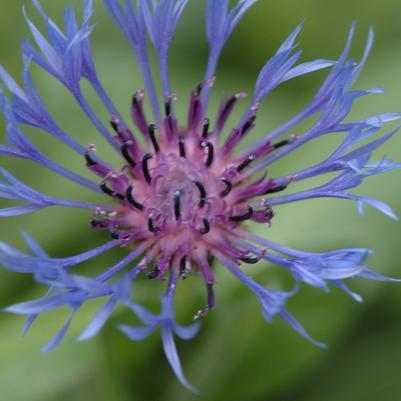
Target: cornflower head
{"type": "Point", "coordinates": [182, 195]}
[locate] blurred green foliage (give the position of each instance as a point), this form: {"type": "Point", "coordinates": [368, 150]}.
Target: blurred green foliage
{"type": "Point", "coordinates": [237, 356]}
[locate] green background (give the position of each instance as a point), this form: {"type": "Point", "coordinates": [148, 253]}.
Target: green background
{"type": "Point", "coordinates": [237, 355]}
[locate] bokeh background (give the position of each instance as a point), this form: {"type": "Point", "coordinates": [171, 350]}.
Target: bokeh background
{"type": "Point", "coordinates": [237, 356]}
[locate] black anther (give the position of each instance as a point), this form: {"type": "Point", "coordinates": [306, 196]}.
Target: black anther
{"type": "Point", "coordinates": [206, 125]}
{"type": "Point", "coordinates": [280, 144]}
{"type": "Point", "coordinates": [152, 134]}
{"type": "Point", "coordinates": [145, 167]}
{"type": "Point", "coordinates": [250, 260]}
{"type": "Point", "coordinates": [202, 193]}
{"type": "Point", "coordinates": [273, 190]}
{"type": "Point", "coordinates": [210, 296]}
{"type": "Point", "coordinates": [181, 145]}
{"type": "Point", "coordinates": [248, 124]}
{"type": "Point", "coordinates": [115, 235]}
{"type": "Point", "coordinates": [242, 217]}
{"type": "Point", "coordinates": [98, 224]}
{"type": "Point", "coordinates": [227, 190]}
{"type": "Point", "coordinates": [206, 226]}
{"type": "Point", "coordinates": [246, 162]}
{"type": "Point", "coordinates": [126, 153]}
{"type": "Point", "coordinates": [151, 225]}
{"type": "Point", "coordinates": [177, 204]}
{"type": "Point", "coordinates": [137, 97]}
{"type": "Point", "coordinates": [210, 303]}
{"type": "Point", "coordinates": [88, 158]}
{"type": "Point", "coordinates": [131, 199]}
{"type": "Point", "coordinates": [110, 192]}
{"type": "Point", "coordinates": [199, 89]}
{"type": "Point", "coordinates": [210, 154]}
{"type": "Point", "coordinates": [167, 107]}
{"type": "Point", "coordinates": [183, 265]}
{"type": "Point", "coordinates": [154, 273]}
{"type": "Point", "coordinates": [115, 124]}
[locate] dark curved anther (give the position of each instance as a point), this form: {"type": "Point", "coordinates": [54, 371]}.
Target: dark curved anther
{"type": "Point", "coordinates": [183, 265]}
{"type": "Point", "coordinates": [251, 260]}
{"type": "Point", "coordinates": [246, 162]}
{"type": "Point", "coordinates": [269, 213]}
{"type": "Point", "coordinates": [131, 199]}
{"type": "Point", "coordinates": [110, 192]}
{"type": "Point", "coordinates": [210, 303]}
{"type": "Point", "coordinates": [280, 144]}
{"type": "Point", "coordinates": [199, 89]}
{"type": "Point", "coordinates": [151, 225]}
{"type": "Point", "coordinates": [115, 124]}
{"type": "Point", "coordinates": [273, 190]}
{"type": "Point", "coordinates": [167, 107]}
{"type": "Point", "coordinates": [181, 146]}
{"type": "Point", "coordinates": [98, 224]}
{"type": "Point", "coordinates": [152, 134]}
{"type": "Point", "coordinates": [202, 193]}
{"type": "Point", "coordinates": [248, 125]}
{"type": "Point", "coordinates": [206, 226]}
{"type": "Point", "coordinates": [227, 190]}
{"type": "Point", "coordinates": [126, 153]}
{"type": "Point", "coordinates": [145, 167]}
{"type": "Point", "coordinates": [177, 204]}
{"type": "Point", "coordinates": [154, 273]}
{"type": "Point", "coordinates": [242, 217]}
{"type": "Point", "coordinates": [210, 154]}
{"type": "Point", "coordinates": [115, 235]}
{"type": "Point", "coordinates": [206, 125]}
{"type": "Point", "coordinates": [88, 158]}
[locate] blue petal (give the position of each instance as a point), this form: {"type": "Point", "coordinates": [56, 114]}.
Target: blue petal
{"type": "Point", "coordinates": [172, 356]}
{"type": "Point", "coordinates": [287, 317]}
{"type": "Point", "coordinates": [99, 320]}
{"type": "Point", "coordinates": [55, 341]}
{"type": "Point", "coordinates": [137, 333]}
{"type": "Point", "coordinates": [36, 307]}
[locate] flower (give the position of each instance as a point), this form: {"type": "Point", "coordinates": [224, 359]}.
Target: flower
{"type": "Point", "coordinates": [184, 194]}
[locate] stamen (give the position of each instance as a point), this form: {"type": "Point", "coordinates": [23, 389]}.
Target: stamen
{"type": "Point", "coordinates": [248, 125]}
{"type": "Point", "coordinates": [210, 155]}
{"type": "Point", "coordinates": [206, 226]}
{"type": "Point", "coordinates": [243, 217]}
{"type": "Point", "coordinates": [88, 158]}
{"type": "Point", "coordinates": [202, 192]}
{"type": "Point", "coordinates": [131, 199]}
{"type": "Point", "coordinates": [199, 89]}
{"type": "Point", "coordinates": [151, 225]}
{"type": "Point", "coordinates": [110, 192]}
{"type": "Point", "coordinates": [115, 124]}
{"type": "Point", "coordinates": [246, 162]}
{"type": "Point", "coordinates": [183, 265]}
{"type": "Point", "coordinates": [145, 167]}
{"type": "Point", "coordinates": [206, 125]}
{"type": "Point", "coordinates": [98, 224]}
{"type": "Point", "coordinates": [152, 134]}
{"type": "Point", "coordinates": [229, 187]}
{"type": "Point", "coordinates": [210, 303]}
{"type": "Point", "coordinates": [181, 145]}
{"type": "Point", "coordinates": [115, 235]}
{"type": "Point", "coordinates": [177, 204]}
{"type": "Point", "coordinates": [126, 153]}
{"type": "Point", "coordinates": [167, 107]}
{"type": "Point", "coordinates": [282, 143]}
{"type": "Point", "coordinates": [154, 273]}
{"type": "Point", "coordinates": [273, 190]}
{"type": "Point", "coordinates": [251, 260]}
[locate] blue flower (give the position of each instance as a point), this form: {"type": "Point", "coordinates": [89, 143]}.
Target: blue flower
{"type": "Point", "coordinates": [181, 197]}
